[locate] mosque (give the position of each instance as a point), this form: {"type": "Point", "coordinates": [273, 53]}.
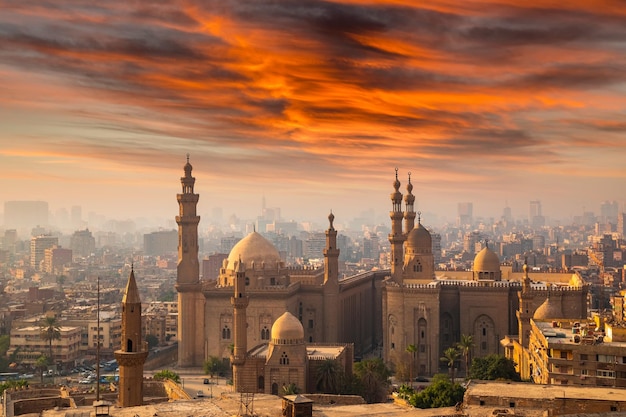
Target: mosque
{"type": "Point", "coordinates": [278, 309]}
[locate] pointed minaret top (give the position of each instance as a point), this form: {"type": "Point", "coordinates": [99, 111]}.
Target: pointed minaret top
{"type": "Point", "coordinates": [131, 294]}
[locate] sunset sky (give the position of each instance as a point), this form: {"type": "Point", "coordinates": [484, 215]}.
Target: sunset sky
{"type": "Point", "coordinates": [313, 104]}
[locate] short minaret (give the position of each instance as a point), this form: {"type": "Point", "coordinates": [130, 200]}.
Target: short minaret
{"type": "Point", "coordinates": [240, 301]}
{"type": "Point", "coordinates": [396, 237]}
{"type": "Point", "coordinates": [190, 299]}
{"type": "Point", "coordinates": [409, 202]}
{"type": "Point", "coordinates": [331, 285]}
{"type": "Point", "coordinates": [134, 350]}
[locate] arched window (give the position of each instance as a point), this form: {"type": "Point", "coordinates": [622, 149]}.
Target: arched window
{"type": "Point", "coordinates": [226, 333]}
{"type": "Point", "coordinates": [247, 281]}
{"type": "Point", "coordinates": [265, 333]}
{"type": "Point", "coordinates": [284, 359]}
{"type": "Point", "coordinates": [261, 383]}
{"type": "Point", "coordinates": [129, 345]}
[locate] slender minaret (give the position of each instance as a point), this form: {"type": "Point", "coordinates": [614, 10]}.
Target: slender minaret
{"type": "Point", "coordinates": [331, 285]}
{"type": "Point", "coordinates": [134, 350]}
{"type": "Point", "coordinates": [409, 202]}
{"type": "Point", "coordinates": [190, 299]}
{"type": "Point", "coordinates": [240, 301]}
{"type": "Point", "coordinates": [525, 312]}
{"type": "Point", "coordinates": [396, 237]}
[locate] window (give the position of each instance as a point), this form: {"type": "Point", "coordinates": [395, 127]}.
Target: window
{"type": "Point", "coordinates": [563, 354]}
{"type": "Point", "coordinates": [584, 372]}
{"type": "Point", "coordinates": [265, 333]}
{"type": "Point", "coordinates": [606, 358]}
{"type": "Point", "coordinates": [284, 359]}
{"type": "Point", "coordinates": [601, 373]}
{"type": "Point", "coordinates": [226, 333]}
{"type": "Point", "coordinates": [247, 281]}
{"type": "Point", "coordinates": [310, 323]}
{"type": "Point", "coordinates": [584, 357]}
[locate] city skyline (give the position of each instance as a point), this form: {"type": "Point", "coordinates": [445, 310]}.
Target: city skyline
{"type": "Point", "coordinates": [312, 105]}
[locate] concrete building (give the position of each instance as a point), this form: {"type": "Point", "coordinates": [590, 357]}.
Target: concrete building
{"type": "Point", "coordinates": [55, 258]}
{"type": "Point", "coordinates": [38, 246]}
{"type": "Point", "coordinates": [82, 243]}
{"type": "Point", "coordinates": [28, 345]}
{"type": "Point", "coordinates": [160, 243]}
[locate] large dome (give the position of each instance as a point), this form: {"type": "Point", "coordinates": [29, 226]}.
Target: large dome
{"type": "Point", "coordinates": [287, 329]}
{"type": "Point", "coordinates": [254, 248]}
{"type": "Point", "coordinates": [486, 261]}
{"type": "Point", "coordinates": [550, 309]}
{"type": "Point", "coordinates": [419, 237]}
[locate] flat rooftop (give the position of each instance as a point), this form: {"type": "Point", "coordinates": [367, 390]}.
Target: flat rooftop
{"type": "Point", "coordinates": [546, 392]}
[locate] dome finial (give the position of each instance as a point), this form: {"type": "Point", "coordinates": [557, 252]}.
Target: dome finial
{"type": "Point", "coordinates": [419, 217]}
{"type": "Point", "coordinates": [187, 157]}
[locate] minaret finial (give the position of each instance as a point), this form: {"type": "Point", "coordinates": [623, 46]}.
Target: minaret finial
{"type": "Point", "coordinates": [187, 158]}
{"type": "Point", "coordinates": [409, 177]}
{"type": "Point", "coordinates": [396, 173]}
{"type": "Point", "coordinates": [132, 267]}
{"type": "Point", "coordinates": [487, 243]}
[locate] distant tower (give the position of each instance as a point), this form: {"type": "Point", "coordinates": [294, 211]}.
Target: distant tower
{"type": "Point", "coordinates": [331, 284]}
{"type": "Point", "coordinates": [190, 299]}
{"type": "Point", "coordinates": [240, 301]}
{"type": "Point", "coordinates": [134, 351]}
{"type": "Point", "coordinates": [396, 237]}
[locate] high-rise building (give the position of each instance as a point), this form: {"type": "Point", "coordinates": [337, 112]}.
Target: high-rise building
{"type": "Point", "coordinates": [609, 211]}
{"type": "Point", "coordinates": [38, 246]}
{"type": "Point", "coordinates": [82, 243]}
{"type": "Point", "coordinates": [621, 224]}
{"type": "Point", "coordinates": [160, 243]}
{"type": "Point", "coordinates": [466, 214]}
{"type": "Point", "coordinates": [76, 216]}
{"type": "Point", "coordinates": [535, 217]}
{"type": "Point", "coordinates": [211, 266]}
{"type": "Point", "coordinates": [55, 258]}
{"type": "Point", "coordinates": [25, 214]}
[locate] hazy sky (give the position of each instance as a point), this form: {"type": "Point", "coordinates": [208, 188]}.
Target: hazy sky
{"type": "Point", "coordinates": [313, 104]}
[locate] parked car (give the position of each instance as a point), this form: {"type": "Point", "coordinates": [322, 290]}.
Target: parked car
{"type": "Point", "coordinates": [206, 381]}
{"type": "Point", "coordinates": [200, 394]}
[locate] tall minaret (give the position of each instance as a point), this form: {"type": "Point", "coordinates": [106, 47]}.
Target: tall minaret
{"type": "Point", "coordinates": [409, 214]}
{"type": "Point", "coordinates": [134, 351]}
{"type": "Point", "coordinates": [240, 301]}
{"type": "Point", "coordinates": [331, 285]}
{"type": "Point", "coordinates": [190, 299]}
{"type": "Point", "coordinates": [525, 312]}
{"type": "Point", "coordinates": [396, 237]}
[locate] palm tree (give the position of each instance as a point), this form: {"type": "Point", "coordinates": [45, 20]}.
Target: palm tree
{"type": "Point", "coordinates": [450, 356]}
{"type": "Point", "coordinates": [411, 349]}
{"type": "Point", "coordinates": [50, 330]}
{"type": "Point", "coordinates": [328, 377]}
{"type": "Point", "coordinates": [465, 347]}
{"type": "Point", "coordinates": [42, 364]}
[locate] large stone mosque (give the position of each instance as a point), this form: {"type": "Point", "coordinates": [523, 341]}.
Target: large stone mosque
{"type": "Point", "coordinates": [271, 320]}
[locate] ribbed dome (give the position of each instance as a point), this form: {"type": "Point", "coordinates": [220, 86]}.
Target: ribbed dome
{"type": "Point", "coordinates": [550, 309]}
{"type": "Point", "coordinates": [486, 261]}
{"type": "Point", "coordinates": [419, 237]}
{"type": "Point", "coordinates": [287, 329]}
{"type": "Point", "coordinates": [254, 248]}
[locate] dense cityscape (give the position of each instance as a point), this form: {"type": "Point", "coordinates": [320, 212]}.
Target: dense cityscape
{"type": "Point", "coordinates": [74, 275]}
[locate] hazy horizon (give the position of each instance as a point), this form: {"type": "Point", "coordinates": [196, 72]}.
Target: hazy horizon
{"type": "Point", "coordinates": [312, 105]}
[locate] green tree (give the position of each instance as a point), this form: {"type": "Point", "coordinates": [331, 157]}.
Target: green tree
{"type": "Point", "coordinates": [450, 356]}
{"type": "Point", "coordinates": [494, 367]}
{"type": "Point", "coordinates": [214, 366]}
{"type": "Point", "coordinates": [42, 364]}
{"type": "Point", "coordinates": [50, 330]}
{"type": "Point", "coordinates": [166, 374]}
{"type": "Point", "coordinates": [465, 348]}
{"type": "Point", "coordinates": [373, 379]}
{"type": "Point", "coordinates": [440, 393]}
{"type": "Point", "coordinates": [411, 349]}
{"type": "Point", "coordinates": [328, 377]}
{"type": "Point", "coordinates": [152, 340]}
{"type": "Point", "coordinates": [12, 384]}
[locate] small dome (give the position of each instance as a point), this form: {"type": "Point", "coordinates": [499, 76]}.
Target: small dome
{"type": "Point", "coordinates": [550, 309]}
{"type": "Point", "coordinates": [254, 248]}
{"type": "Point", "coordinates": [287, 328]}
{"type": "Point", "coordinates": [419, 237]}
{"type": "Point", "coordinates": [486, 261]}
